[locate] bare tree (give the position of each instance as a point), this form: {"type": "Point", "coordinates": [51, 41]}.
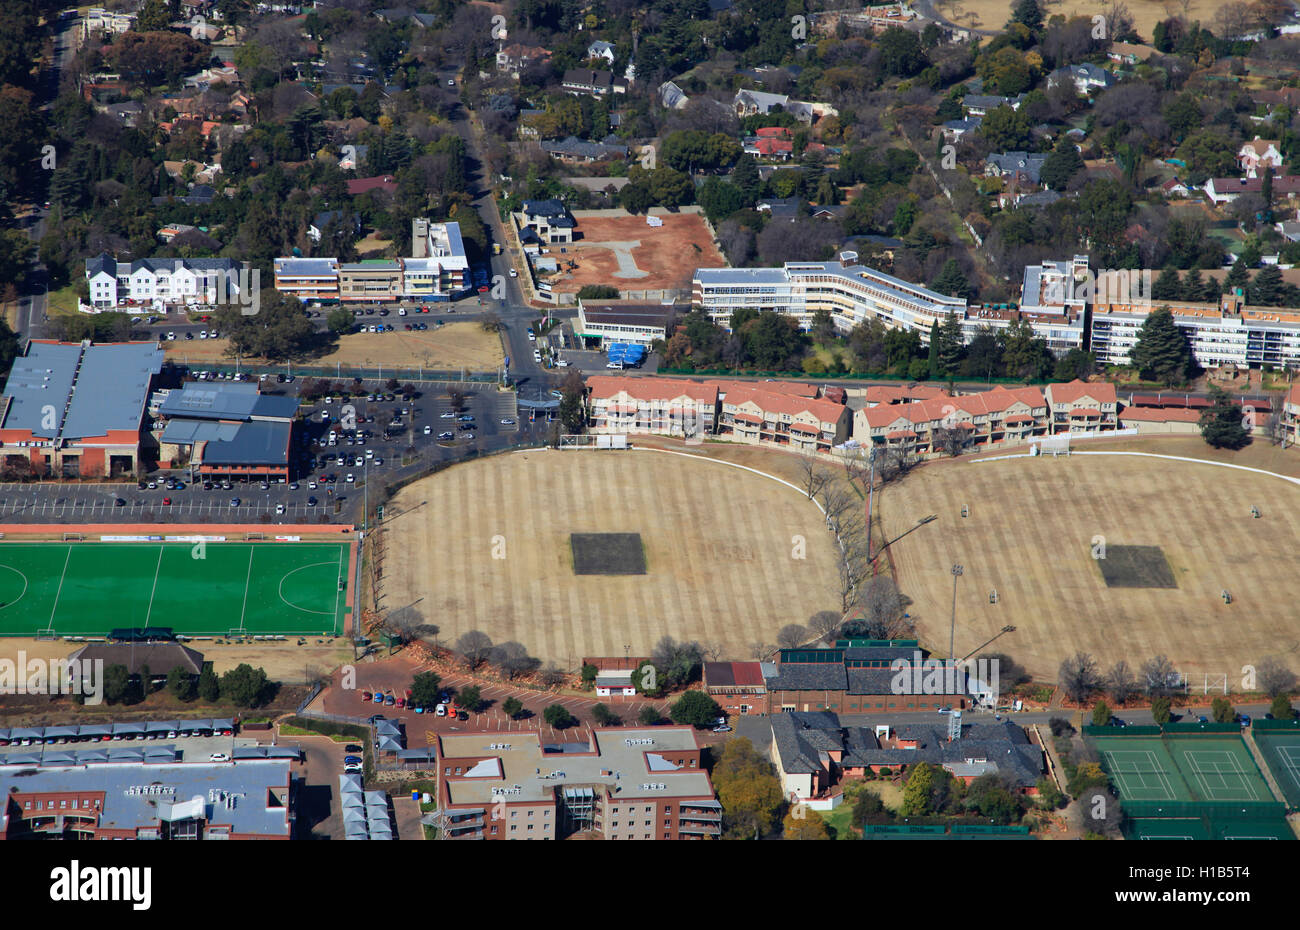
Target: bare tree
{"type": "Point", "coordinates": [857, 467]}
{"type": "Point", "coordinates": [812, 475]}
{"type": "Point", "coordinates": [825, 623]}
{"type": "Point", "coordinates": [513, 659]}
{"type": "Point", "coordinates": [836, 499]}
{"type": "Point", "coordinates": [1079, 677]}
{"type": "Point", "coordinates": [474, 647]}
{"type": "Point", "coordinates": [761, 650]}
{"type": "Point", "coordinates": [402, 622]}
{"type": "Point", "coordinates": [880, 612]}
{"type": "Point", "coordinates": [552, 676]}
{"type": "Point", "coordinates": [1101, 812]}
{"type": "Point", "coordinates": [1121, 682]}
{"type": "Point", "coordinates": [1274, 678]}
{"type": "Point", "coordinates": [951, 442]}
{"type": "Point", "coordinates": [1119, 21]}
{"type": "Point", "coordinates": [792, 636]}
{"type": "Point", "coordinates": [1158, 677]}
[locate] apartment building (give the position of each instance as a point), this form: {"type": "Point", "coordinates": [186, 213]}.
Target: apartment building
{"type": "Point", "coordinates": [1291, 415]}
{"type": "Point", "coordinates": [1229, 333]}
{"type": "Point", "coordinates": [308, 279]}
{"type": "Point", "coordinates": [622, 321]}
{"type": "Point", "coordinates": [437, 271]}
{"type": "Point", "coordinates": [158, 283]}
{"type": "Point", "coordinates": [807, 424]}
{"type": "Point", "coordinates": [651, 405]}
{"type": "Point", "coordinates": [373, 281]}
{"type": "Point", "coordinates": [624, 784]}
{"type": "Point", "coordinates": [1078, 406]}
{"type": "Point", "coordinates": [1014, 415]}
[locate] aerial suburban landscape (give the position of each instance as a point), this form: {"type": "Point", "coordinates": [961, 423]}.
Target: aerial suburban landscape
{"type": "Point", "coordinates": [877, 422]}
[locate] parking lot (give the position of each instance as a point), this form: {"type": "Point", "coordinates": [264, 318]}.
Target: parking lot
{"type": "Point", "coordinates": [319, 489]}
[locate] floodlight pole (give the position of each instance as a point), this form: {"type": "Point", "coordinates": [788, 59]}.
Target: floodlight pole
{"type": "Point", "coordinates": [952, 629]}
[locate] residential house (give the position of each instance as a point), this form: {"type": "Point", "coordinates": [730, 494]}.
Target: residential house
{"type": "Point", "coordinates": [1016, 167]}
{"type": "Point", "coordinates": [1128, 53]}
{"type": "Point", "coordinates": [1085, 77]}
{"type": "Point", "coordinates": [1257, 155]}
{"type": "Point", "coordinates": [954, 129]}
{"type": "Point", "coordinates": [574, 151]}
{"type": "Point", "coordinates": [322, 220]}
{"type": "Point", "coordinates": [386, 183]}
{"type": "Point", "coordinates": [785, 208]}
{"type": "Point", "coordinates": [353, 157]}
{"type": "Point", "coordinates": [984, 104]}
{"type": "Point", "coordinates": [1174, 188]}
{"type": "Point", "coordinates": [599, 49]}
{"type": "Point", "coordinates": [1226, 190]}
{"type": "Point", "coordinates": [671, 96]}
{"type": "Point", "coordinates": [514, 58]}
{"type": "Point", "coordinates": [753, 102]}
{"type": "Point", "coordinates": [592, 82]}
{"type": "Point", "coordinates": [548, 220]}
{"type": "Point", "coordinates": [156, 283]}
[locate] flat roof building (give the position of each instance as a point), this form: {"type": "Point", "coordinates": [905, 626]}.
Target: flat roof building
{"type": "Point", "coordinates": [76, 408]}
{"type": "Point", "coordinates": [227, 429]}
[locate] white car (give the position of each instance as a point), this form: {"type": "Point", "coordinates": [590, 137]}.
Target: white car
{"type": "Point", "coordinates": [428, 430]}
{"type": "Point", "coordinates": [532, 336]}
{"type": "Point", "coordinates": [513, 273]}
{"type": "Point", "coordinates": [203, 334]}
{"type": "Point", "coordinates": [351, 478]}
{"type": "Point", "coordinates": [401, 311]}
{"type": "Point", "coordinates": [440, 710]}
{"type": "Point", "coordinates": [218, 757]}
{"type": "Point", "coordinates": [171, 337]}
{"type": "Point", "coordinates": [279, 508]}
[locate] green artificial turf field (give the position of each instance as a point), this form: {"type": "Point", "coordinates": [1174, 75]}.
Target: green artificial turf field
{"type": "Point", "coordinates": [88, 588]}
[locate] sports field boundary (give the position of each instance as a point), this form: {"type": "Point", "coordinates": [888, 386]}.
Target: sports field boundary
{"type": "Point", "coordinates": [258, 534]}
{"type": "Point", "coordinates": [1150, 455]}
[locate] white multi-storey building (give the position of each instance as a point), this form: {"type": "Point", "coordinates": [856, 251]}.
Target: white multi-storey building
{"type": "Point", "coordinates": [154, 283]}
{"type": "Point", "coordinates": [1229, 333]}
{"type": "Point", "coordinates": [855, 294]}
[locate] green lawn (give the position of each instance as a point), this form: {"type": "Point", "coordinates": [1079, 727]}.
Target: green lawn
{"type": "Point", "coordinates": [87, 588]}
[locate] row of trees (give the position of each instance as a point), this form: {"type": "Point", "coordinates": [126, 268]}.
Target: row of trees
{"type": "Point", "coordinates": [242, 686]}
{"type": "Point", "coordinates": [1081, 678]}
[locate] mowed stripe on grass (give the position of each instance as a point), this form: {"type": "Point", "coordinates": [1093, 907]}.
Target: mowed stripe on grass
{"type": "Point", "coordinates": [718, 543]}
{"type": "Point", "coordinates": [291, 588]}
{"type": "Point", "coordinates": [1030, 535]}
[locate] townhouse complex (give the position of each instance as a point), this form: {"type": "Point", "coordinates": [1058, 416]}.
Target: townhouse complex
{"type": "Point", "coordinates": [809, 418]}
{"type": "Point", "coordinates": [160, 283]}
{"type": "Point", "coordinates": [437, 270]}
{"type": "Point", "coordinates": [1063, 302]}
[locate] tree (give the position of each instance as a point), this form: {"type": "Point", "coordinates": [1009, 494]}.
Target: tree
{"type": "Point", "coordinates": [1079, 676]}
{"type": "Point", "coordinates": [1004, 129]}
{"type": "Point", "coordinates": [647, 679]}
{"type": "Point", "coordinates": [1102, 813]}
{"type": "Point", "coordinates": [512, 707]}
{"type": "Point", "coordinates": [1121, 683]}
{"type": "Point", "coordinates": [1161, 352]}
{"type": "Point", "coordinates": [1062, 165]}
{"type": "Point", "coordinates": [916, 793]}
{"type": "Point", "coordinates": [588, 675]}
{"type": "Point", "coordinates": [792, 636]}
{"type": "Point", "coordinates": [1161, 710]}
{"type": "Point", "coordinates": [558, 716]}
{"type": "Point", "coordinates": [1222, 711]}
{"type": "Point", "coordinates": [1274, 678]}
{"type": "Point", "coordinates": [474, 647]}
{"type": "Point", "coordinates": [867, 805]}
{"type": "Point", "coordinates": [808, 825]}
{"type": "Point", "coordinates": [680, 663]}
{"type": "Point", "coordinates": [340, 321]}
{"type": "Point", "coordinates": [825, 623]}
{"type": "Point", "coordinates": [696, 709]}
{"type": "Point", "coordinates": [748, 788]}
{"type": "Point", "coordinates": [244, 686]}
{"type": "Point", "coordinates": [1222, 424]}
{"type": "Point", "coordinates": [513, 659]}
{"type": "Point", "coordinates": [1028, 13]}
{"type": "Point", "coordinates": [1158, 676]}
{"type": "Point", "coordinates": [469, 698]}
{"type": "Point", "coordinates": [605, 717]}
{"type": "Point", "coordinates": [1267, 289]}
{"type": "Point", "coordinates": [1281, 708]}
{"type": "Point", "coordinates": [426, 689]}
{"type": "Point", "coordinates": [117, 683]}
{"type": "Point", "coordinates": [572, 411]}
{"type": "Point", "coordinates": [992, 797]}
{"type": "Point", "coordinates": [209, 686]}
{"type": "Point", "coordinates": [180, 684]}
{"type": "Point", "coordinates": [649, 716]}
{"type": "Point", "coordinates": [1101, 714]}
{"type": "Point", "coordinates": [900, 52]}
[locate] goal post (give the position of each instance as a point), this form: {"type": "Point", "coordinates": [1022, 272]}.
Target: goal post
{"type": "Point", "coordinates": [594, 441]}
{"type": "Point", "coordinates": [74, 537]}
{"type": "Point", "coordinates": [1054, 445]}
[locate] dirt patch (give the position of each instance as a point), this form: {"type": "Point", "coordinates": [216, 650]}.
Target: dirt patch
{"type": "Point", "coordinates": [451, 346]}
{"type": "Point", "coordinates": [994, 14]}
{"type": "Point", "coordinates": [646, 257]}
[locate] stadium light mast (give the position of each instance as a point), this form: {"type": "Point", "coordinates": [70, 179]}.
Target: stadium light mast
{"type": "Point", "coordinates": [952, 629]}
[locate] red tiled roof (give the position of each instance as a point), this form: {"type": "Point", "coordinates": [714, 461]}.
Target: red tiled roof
{"type": "Point", "coordinates": [1087, 413]}
{"type": "Point", "coordinates": [945, 407]}
{"type": "Point", "coordinates": [748, 418]}
{"type": "Point", "coordinates": [651, 389]}
{"type": "Point", "coordinates": [1019, 418]}
{"type": "Point", "coordinates": [804, 428]}
{"type": "Point", "coordinates": [773, 403]}
{"type": "Point", "coordinates": [728, 674]}
{"type": "Point", "coordinates": [1160, 415]}
{"type": "Point", "coordinates": [1072, 391]}
{"type": "Point", "coordinates": [899, 434]}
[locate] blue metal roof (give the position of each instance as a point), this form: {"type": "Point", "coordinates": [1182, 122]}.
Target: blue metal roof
{"type": "Point", "coordinates": [238, 400]}
{"type": "Point", "coordinates": [257, 443]}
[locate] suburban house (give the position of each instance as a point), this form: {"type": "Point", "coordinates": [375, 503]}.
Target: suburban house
{"type": "Point", "coordinates": [599, 49]}
{"type": "Point", "coordinates": [954, 129]}
{"type": "Point", "coordinates": [1174, 188]}
{"type": "Point", "coordinates": [322, 221]}
{"type": "Point", "coordinates": [672, 96]}
{"type": "Point", "coordinates": [1017, 167]}
{"type": "Point", "coordinates": [1086, 77]}
{"type": "Point", "coordinates": [547, 220]}
{"type": "Point", "coordinates": [1226, 190]}
{"type": "Point", "coordinates": [1128, 53]}
{"type": "Point", "coordinates": [752, 102]}
{"type": "Point", "coordinates": [984, 104]}
{"type": "Point", "coordinates": [514, 58]}
{"type": "Point", "coordinates": [574, 151]}
{"type": "Point", "coordinates": [592, 82]}
{"type": "Point", "coordinates": [1257, 155]}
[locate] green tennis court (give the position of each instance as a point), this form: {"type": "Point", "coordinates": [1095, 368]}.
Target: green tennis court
{"type": "Point", "coordinates": [1281, 750]}
{"type": "Point", "coordinates": [89, 588]}
{"type": "Point", "coordinates": [1183, 768]}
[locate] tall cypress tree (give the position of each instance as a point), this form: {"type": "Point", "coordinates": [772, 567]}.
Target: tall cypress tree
{"type": "Point", "coordinates": [1161, 353]}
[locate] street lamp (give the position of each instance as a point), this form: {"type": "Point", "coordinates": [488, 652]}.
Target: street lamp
{"type": "Point", "coordinates": [952, 630]}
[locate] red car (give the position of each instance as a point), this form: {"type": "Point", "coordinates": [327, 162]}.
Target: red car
{"type": "Point", "coordinates": [365, 695]}
{"type": "Point", "coordinates": [167, 501]}
{"type": "Point", "coordinates": [483, 289]}
{"type": "Point", "coordinates": [401, 702]}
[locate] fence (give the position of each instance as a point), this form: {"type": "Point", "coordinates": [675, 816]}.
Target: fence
{"type": "Point", "coordinates": [311, 696]}
{"type": "Point", "coordinates": [344, 372]}
{"type": "Point", "coordinates": [1210, 810]}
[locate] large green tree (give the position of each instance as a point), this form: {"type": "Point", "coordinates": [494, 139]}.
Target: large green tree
{"type": "Point", "coordinates": [695, 708]}
{"type": "Point", "coordinates": [748, 788]}
{"type": "Point", "coordinates": [1222, 424]}
{"type": "Point", "coordinates": [1161, 352]}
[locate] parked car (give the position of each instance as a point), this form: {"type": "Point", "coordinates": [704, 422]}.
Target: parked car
{"type": "Point", "coordinates": [218, 757]}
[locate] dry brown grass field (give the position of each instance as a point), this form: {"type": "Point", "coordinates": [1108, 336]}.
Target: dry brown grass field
{"type": "Point", "coordinates": [1029, 534]}
{"type": "Point", "coordinates": [994, 14]}
{"type": "Point", "coordinates": [718, 547]}
{"type": "Point", "coordinates": [454, 345]}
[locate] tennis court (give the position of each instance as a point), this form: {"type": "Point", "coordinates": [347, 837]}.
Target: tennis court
{"type": "Point", "coordinates": [1209, 828]}
{"type": "Point", "coordinates": [89, 588]}
{"type": "Point", "coordinates": [1282, 755]}
{"type": "Point", "coordinates": [1183, 768]}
